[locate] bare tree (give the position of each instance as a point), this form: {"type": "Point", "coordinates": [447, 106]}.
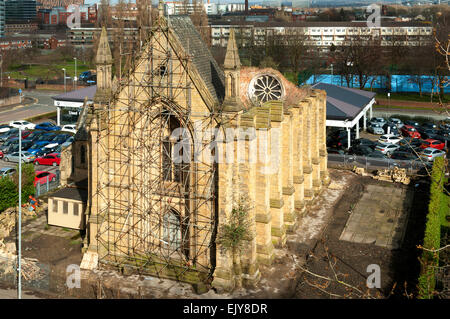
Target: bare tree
{"type": "Point", "coordinates": [358, 58]}
{"type": "Point", "coordinates": [200, 20]}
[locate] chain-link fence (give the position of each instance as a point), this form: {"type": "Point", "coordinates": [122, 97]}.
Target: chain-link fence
{"type": "Point", "coordinates": [47, 184]}
{"type": "Point", "coordinates": [374, 163]}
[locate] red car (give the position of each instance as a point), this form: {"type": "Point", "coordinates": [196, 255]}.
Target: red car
{"type": "Point", "coordinates": [409, 130]}
{"type": "Point", "coordinates": [49, 159]}
{"type": "Point", "coordinates": [1, 154]}
{"type": "Point", "coordinates": [433, 143]}
{"type": "Point", "coordinates": [42, 177]}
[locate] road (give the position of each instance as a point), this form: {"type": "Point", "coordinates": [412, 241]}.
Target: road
{"type": "Point", "coordinates": [43, 104]}
{"type": "Point", "coordinates": [48, 168]}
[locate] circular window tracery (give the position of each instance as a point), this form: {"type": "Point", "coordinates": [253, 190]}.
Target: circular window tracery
{"type": "Point", "coordinates": [265, 88]}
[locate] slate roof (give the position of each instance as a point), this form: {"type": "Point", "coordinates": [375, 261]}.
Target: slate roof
{"type": "Point", "coordinates": [77, 95]}
{"type": "Point", "coordinates": [203, 60]}
{"type": "Point", "coordinates": [71, 193]}
{"type": "Point", "coordinates": [344, 103]}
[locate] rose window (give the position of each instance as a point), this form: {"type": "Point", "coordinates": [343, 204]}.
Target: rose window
{"type": "Point", "coordinates": [265, 88]}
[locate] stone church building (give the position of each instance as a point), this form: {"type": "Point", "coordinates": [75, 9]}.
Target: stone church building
{"type": "Point", "coordinates": [173, 150]}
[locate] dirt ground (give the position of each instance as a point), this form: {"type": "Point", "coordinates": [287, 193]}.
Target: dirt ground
{"type": "Point", "coordinates": [348, 261]}
{"type": "Point", "coordinates": [312, 253]}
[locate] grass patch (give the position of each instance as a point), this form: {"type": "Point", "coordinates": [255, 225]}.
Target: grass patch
{"type": "Point", "coordinates": [415, 97]}
{"type": "Point", "coordinates": [46, 227]}
{"type": "Point", "coordinates": [411, 107]}
{"type": "Point", "coordinates": [41, 116]}
{"type": "Point", "coordinates": [45, 71]}
{"type": "Point", "coordinates": [291, 76]}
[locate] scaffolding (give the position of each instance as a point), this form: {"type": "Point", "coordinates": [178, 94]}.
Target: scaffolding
{"type": "Point", "coordinates": [155, 214]}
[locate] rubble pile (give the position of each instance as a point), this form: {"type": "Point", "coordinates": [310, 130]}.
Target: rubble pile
{"type": "Point", "coordinates": [396, 175]}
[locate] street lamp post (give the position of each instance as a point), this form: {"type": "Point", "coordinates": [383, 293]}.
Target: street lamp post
{"type": "Point", "coordinates": [64, 79]}
{"type": "Point", "coordinates": [75, 78]}
{"type": "Point", "coordinates": [19, 249]}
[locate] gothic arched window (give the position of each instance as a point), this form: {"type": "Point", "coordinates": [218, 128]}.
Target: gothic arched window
{"type": "Point", "coordinates": [172, 229]}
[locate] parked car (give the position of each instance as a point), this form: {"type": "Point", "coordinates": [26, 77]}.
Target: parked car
{"type": "Point", "coordinates": [25, 134]}
{"type": "Point", "coordinates": [412, 123]}
{"type": "Point", "coordinates": [375, 128]}
{"type": "Point", "coordinates": [24, 125]}
{"type": "Point", "coordinates": [365, 142]}
{"type": "Point", "coordinates": [27, 157]}
{"type": "Point", "coordinates": [34, 135]}
{"type": "Point", "coordinates": [4, 128]}
{"type": "Point", "coordinates": [430, 125]}
{"type": "Point", "coordinates": [429, 154]}
{"type": "Point", "coordinates": [72, 128]}
{"type": "Point", "coordinates": [85, 75]}
{"type": "Point", "coordinates": [377, 120]}
{"type": "Point", "coordinates": [389, 139]}
{"type": "Point", "coordinates": [6, 135]}
{"type": "Point", "coordinates": [361, 150]}
{"type": "Point", "coordinates": [68, 142]}
{"type": "Point", "coordinates": [42, 177]}
{"type": "Point", "coordinates": [391, 128]}
{"type": "Point", "coordinates": [426, 133]}
{"type": "Point", "coordinates": [433, 144]}
{"type": "Point", "coordinates": [1, 154]}
{"type": "Point", "coordinates": [386, 148]}
{"type": "Point", "coordinates": [7, 171]}
{"type": "Point", "coordinates": [47, 126]}
{"type": "Point", "coordinates": [15, 147]}
{"type": "Point", "coordinates": [59, 139]}
{"type": "Point", "coordinates": [405, 156]}
{"type": "Point", "coordinates": [376, 154]}
{"type": "Point", "coordinates": [48, 150]}
{"type": "Point", "coordinates": [397, 122]}
{"type": "Point", "coordinates": [49, 159]}
{"type": "Point", "coordinates": [409, 130]}
{"type": "Point", "coordinates": [8, 144]}
{"type": "Point", "coordinates": [335, 151]}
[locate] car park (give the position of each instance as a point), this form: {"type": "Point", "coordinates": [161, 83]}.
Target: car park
{"type": "Point", "coordinates": [375, 128]}
{"type": "Point", "coordinates": [386, 148]}
{"type": "Point", "coordinates": [410, 131]}
{"type": "Point", "coordinates": [27, 157]}
{"type": "Point", "coordinates": [7, 171]}
{"type": "Point", "coordinates": [23, 125]}
{"type": "Point", "coordinates": [365, 142]}
{"type": "Point", "coordinates": [390, 128]}
{"type": "Point", "coordinates": [49, 159]}
{"type": "Point", "coordinates": [72, 128]}
{"type": "Point", "coordinates": [376, 154]}
{"type": "Point", "coordinates": [42, 177]}
{"type": "Point", "coordinates": [47, 126]}
{"type": "Point", "coordinates": [389, 139]}
{"type": "Point", "coordinates": [433, 144]}
{"type": "Point", "coordinates": [429, 154]}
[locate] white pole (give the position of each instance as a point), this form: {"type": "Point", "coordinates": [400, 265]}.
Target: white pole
{"type": "Point", "coordinates": [19, 255]}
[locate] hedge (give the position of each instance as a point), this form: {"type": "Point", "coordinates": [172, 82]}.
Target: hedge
{"type": "Point", "coordinates": [9, 187]}
{"type": "Point", "coordinates": [432, 239]}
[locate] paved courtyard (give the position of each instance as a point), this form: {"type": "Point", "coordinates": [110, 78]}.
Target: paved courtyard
{"type": "Point", "coordinates": [39, 227]}
{"type": "Point", "coordinates": [379, 217]}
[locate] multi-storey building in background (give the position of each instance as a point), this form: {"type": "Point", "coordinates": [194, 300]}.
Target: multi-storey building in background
{"type": "Point", "coordinates": [322, 34]}
{"type": "Point", "coordinates": [20, 10]}
{"type": "Point", "coordinates": [2, 18]}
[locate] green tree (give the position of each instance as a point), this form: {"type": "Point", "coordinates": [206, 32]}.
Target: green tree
{"type": "Point", "coordinates": [8, 193]}
{"type": "Point", "coordinates": [27, 181]}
